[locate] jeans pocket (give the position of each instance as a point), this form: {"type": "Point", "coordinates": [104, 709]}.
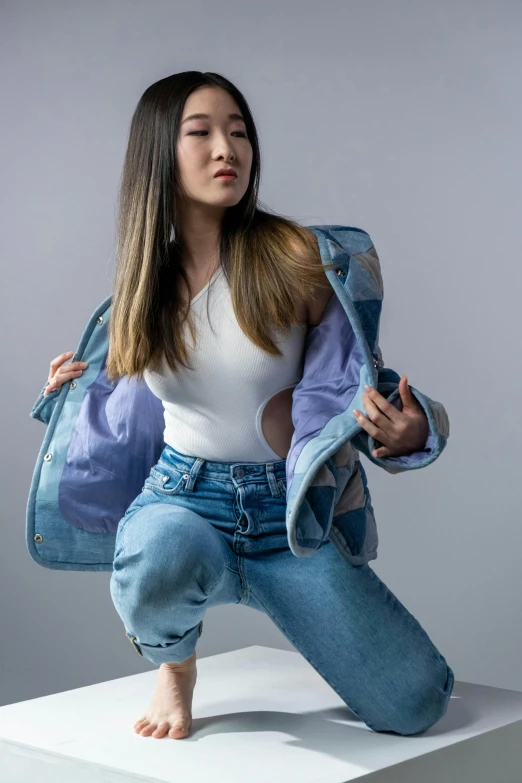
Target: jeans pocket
{"type": "Point", "coordinates": [165, 483]}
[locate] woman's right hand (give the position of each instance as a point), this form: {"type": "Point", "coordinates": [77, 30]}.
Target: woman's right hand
{"type": "Point", "coordinates": [58, 374]}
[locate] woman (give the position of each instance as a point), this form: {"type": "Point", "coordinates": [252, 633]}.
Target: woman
{"type": "Point", "coordinates": [213, 301]}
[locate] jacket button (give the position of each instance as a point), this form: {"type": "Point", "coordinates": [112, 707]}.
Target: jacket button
{"type": "Point", "coordinates": [73, 385]}
{"type": "Point", "coordinates": [38, 538]}
{"type": "Point", "coordinates": [48, 457]}
{"type": "Point", "coordinates": [99, 320]}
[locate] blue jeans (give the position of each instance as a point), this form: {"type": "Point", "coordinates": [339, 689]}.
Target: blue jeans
{"type": "Point", "coordinates": [206, 533]}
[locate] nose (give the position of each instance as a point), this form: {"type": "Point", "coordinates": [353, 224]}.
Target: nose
{"type": "Point", "coordinates": [225, 150]}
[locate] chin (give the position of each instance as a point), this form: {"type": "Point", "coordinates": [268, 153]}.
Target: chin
{"type": "Point", "coordinates": [226, 202]}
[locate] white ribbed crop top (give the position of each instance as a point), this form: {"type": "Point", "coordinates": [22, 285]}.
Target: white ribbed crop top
{"type": "Point", "coordinates": [214, 411]}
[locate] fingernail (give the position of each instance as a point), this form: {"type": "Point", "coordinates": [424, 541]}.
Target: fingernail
{"type": "Point", "coordinates": [355, 412]}
{"type": "Point", "coordinates": [367, 388]}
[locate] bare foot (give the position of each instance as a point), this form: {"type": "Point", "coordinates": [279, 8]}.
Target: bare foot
{"type": "Point", "coordinates": [170, 710]}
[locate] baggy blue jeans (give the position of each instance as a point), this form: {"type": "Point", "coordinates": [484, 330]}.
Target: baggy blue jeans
{"type": "Point", "coordinates": [205, 533]}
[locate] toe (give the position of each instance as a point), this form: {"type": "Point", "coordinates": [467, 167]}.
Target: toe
{"type": "Point", "coordinates": [147, 730]}
{"type": "Point", "coordinates": [179, 732]}
{"type": "Point", "coordinates": [161, 730]}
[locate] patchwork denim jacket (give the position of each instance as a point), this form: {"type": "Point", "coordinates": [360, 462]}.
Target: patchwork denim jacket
{"type": "Point", "coordinates": [102, 437]}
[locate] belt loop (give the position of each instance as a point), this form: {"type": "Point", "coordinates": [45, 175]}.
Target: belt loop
{"type": "Point", "coordinates": [274, 486]}
{"type": "Point", "coordinates": [196, 467]}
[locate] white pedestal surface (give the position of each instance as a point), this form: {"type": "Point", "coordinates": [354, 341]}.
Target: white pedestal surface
{"type": "Point", "coordinates": [259, 714]}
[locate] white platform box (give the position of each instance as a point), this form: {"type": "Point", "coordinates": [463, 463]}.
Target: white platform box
{"type": "Point", "coordinates": [259, 715]}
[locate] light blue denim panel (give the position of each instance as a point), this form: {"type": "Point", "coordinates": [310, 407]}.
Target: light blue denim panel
{"type": "Point", "coordinates": [43, 407]}
{"type": "Point", "coordinates": [104, 437]}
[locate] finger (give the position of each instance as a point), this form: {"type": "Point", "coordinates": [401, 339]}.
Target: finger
{"type": "Point", "coordinates": [59, 360]}
{"type": "Point", "coordinates": [403, 386]}
{"type": "Point", "coordinates": [381, 452]}
{"type": "Point", "coordinates": [79, 365]}
{"type": "Point", "coordinates": [380, 402]}
{"type": "Point", "coordinates": [408, 399]}
{"type": "Point", "coordinates": [60, 378]}
{"type": "Point", "coordinates": [51, 387]}
{"type": "Point", "coordinates": [62, 375]}
{"type": "Point", "coordinates": [369, 426]}
{"type": "Point", "coordinates": [378, 417]}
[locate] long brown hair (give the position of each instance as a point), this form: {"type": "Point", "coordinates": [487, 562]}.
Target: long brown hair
{"type": "Point", "coordinates": [271, 263]}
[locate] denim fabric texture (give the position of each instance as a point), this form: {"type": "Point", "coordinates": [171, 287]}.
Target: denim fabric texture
{"type": "Point", "coordinates": [203, 533]}
{"type": "Point", "coordinates": [102, 436]}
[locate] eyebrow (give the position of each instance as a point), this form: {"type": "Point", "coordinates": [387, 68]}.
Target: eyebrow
{"type": "Point", "coordinates": [202, 116]}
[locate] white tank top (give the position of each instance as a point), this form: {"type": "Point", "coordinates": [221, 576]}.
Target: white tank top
{"type": "Point", "coordinates": [214, 411]}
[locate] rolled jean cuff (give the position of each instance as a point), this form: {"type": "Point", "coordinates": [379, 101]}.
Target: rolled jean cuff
{"type": "Point", "coordinates": [172, 653]}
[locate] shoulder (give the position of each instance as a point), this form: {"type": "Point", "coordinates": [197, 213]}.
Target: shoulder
{"type": "Point", "coordinates": [317, 305]}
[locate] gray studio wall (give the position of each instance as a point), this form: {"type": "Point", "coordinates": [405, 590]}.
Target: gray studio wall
{"type": "Point", "coordinates": [396, 117]}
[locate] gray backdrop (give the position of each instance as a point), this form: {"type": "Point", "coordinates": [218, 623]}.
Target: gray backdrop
{"type": "Point", "coordinates": [402, 118]}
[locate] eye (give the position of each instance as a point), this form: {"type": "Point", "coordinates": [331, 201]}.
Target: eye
{"type": "Point", "coordinates": [195, 133]}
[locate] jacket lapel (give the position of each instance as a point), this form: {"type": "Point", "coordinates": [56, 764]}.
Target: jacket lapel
{"type": "Point", "coordinates": [338, 363]}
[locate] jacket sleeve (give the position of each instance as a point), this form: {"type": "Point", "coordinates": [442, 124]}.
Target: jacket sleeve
{"type": "Point", "coordinates": [388, 386]}
{"type": "Point", "coordinates": [44, 406]}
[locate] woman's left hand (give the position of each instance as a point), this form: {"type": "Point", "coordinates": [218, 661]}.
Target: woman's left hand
{"type": "Point", "coordinates": [400, 432]}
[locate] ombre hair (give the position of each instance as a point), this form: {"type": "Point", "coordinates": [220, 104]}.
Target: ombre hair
{"type": "Point", "coordinates": [271, 263]}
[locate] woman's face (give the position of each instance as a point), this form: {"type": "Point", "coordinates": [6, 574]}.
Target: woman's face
{"type": "Point", "coordinates": [207, 144]}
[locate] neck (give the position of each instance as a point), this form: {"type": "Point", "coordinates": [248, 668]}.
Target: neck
{"type": "Point", "coordinates": [200, 237]}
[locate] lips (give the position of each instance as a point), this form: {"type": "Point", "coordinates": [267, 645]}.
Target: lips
{"type": "Point", "coordinates": [225, 173]}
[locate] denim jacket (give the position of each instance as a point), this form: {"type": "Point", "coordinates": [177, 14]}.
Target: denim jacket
{"type": "Point", "coordinates": [102, 437]}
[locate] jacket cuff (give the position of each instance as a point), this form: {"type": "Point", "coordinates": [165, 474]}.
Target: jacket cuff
{"type": "Point", "coordinates": [44, 406]}
{"type": "Point", "coordinates": [435, 442]}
